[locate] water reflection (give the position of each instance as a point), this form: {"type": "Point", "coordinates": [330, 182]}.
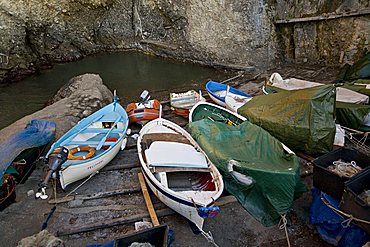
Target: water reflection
{"type": "Point", "coordinates": [129, 73]}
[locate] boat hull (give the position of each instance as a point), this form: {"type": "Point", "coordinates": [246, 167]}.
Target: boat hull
{"type": "Point", "coordinates": [142, 113]}
{"type": "Point", "coordinates": [233, 103]}
{"type": "Point", "coordinates": [104, 132]}
{"type": "Point", "coordinates": [218, 91]}
{"type": "Point", "coordinates": [185, 208]}
{"type": "Point", "coordinates": [179, 201]}
{"type": "Point", "coordinates": [79, 171]}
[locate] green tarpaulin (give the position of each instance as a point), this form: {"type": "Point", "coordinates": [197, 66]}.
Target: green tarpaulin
{"type": "Point", "coordinates": [357, 76]}
{"type": "Point", "coordinates": [274, 171]}
{"type": "Point", "coordinates": [352, 115]}
{"type": "Point", "coordinates": [301, 119]}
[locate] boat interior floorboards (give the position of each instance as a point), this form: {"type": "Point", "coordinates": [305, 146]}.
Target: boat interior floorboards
{"type": "Point", "coordinates": [149, 138]}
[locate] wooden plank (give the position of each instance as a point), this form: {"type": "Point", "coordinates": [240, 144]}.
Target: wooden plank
{"type": "Point", "coordinates": [327, 16]}
{"type": "Point", "coordinates": [120, 167]}
{"type": "Point", "coordinates": [94, 196]}
{"type": "Point", "coordinates": [148, 201]}
{"type": "Point", "coordinates": [115, 222]}
{"type": "Point", "coordinates": [126, 220]}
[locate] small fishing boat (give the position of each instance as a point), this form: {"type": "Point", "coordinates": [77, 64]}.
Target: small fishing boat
{"type": "Point", "coordinates": [88, 146]}
{"type": "Point", "coordinates": [218, 91]}
{"type": "Point", "coordinates": [18, 154]}
{"type": "Point", "coordinates": [145, 110]}
{"type": "Point", "coordinates": [247, 156]}
{"type": "Point", "coordinates": [234, 102]}
{"type": "Point", "coordinates": [178, 171]}
{"type": "Point", "coordinates": [181, 103]}
{"type": "Point", "coordinates": [214, 113]}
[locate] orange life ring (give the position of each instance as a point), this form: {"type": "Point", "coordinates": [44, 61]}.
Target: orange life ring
{"type": "Point", "coordinates": [91, 152]}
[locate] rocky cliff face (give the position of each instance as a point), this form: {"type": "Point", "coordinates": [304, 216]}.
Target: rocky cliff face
{"type": "Point", "coordinates": [326, 32]}
{"type": "Point", "coordinates": [238, 34]}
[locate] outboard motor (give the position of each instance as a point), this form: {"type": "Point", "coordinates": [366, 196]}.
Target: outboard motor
{"type": "Point", "coordinates": [144, 97]}
{"type": "Point", "coordinates": [55, 161]}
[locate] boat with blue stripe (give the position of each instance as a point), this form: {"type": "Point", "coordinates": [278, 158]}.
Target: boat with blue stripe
{"type": "Point", "coordinates": [90, 145]}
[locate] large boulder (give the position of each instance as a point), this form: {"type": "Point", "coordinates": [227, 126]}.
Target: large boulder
{"type": "Point", "coordinates": [80, 97]}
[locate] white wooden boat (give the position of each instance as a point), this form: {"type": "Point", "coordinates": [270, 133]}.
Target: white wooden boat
{"type": "Point", "coordinates": [233, 102]}
{"type": "Point", "coordinates": [181, 103]}
{"type": "Point", "coordinates": [218, 91]}
{"type": "Point", "coordinates": [91, 144]}
{"type": "Point", "coordinates": [177, 170]}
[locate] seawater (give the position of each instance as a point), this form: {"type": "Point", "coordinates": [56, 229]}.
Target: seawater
{"type": "Point", "coordinates": [127, 72]}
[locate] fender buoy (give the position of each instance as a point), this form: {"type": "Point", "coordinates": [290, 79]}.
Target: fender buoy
{"type": "Point", "coordinates": [91, 152]}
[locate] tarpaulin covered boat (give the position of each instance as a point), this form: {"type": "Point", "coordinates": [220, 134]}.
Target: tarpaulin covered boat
{"type": "Point", "coordinates": [343, 94]}
{"type": "Point", "coordinates": [18, 153]}
{"type": "Point", "coordinates": [302, 119]}
{"type": "Point", "coordinates": [244, 150]}
{"type": "Point", "coordinates": [351, 108]}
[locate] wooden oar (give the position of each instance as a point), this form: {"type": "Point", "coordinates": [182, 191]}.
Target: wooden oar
{"type": "Point", "coordinates": [148, 201]}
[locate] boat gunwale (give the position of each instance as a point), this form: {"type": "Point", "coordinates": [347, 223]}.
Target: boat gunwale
{"type": "Point", "coordinates": [173, 195]}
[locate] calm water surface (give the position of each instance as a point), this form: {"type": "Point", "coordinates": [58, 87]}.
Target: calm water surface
{"type": "Point", "coordinates": [129, 73]}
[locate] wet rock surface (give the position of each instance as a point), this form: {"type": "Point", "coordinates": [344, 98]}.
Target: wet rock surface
{"type": "Point", "coordinates": [80, 97]}
{"type": "Point", "coordinates": [112, 197]}
{"type": "Point", "coordinates": [233, 34]}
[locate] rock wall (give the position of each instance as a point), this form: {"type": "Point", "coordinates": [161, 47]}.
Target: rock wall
{"type": "Point", "coordinates": [238, 34]}
{"type": "Point", "coordinates": [323, 32]}
{"type": "Point", "coordinates": [80, 97]}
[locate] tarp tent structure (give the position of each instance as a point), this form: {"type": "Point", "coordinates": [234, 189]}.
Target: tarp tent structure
{"type": "Point", "coordinates": [302, 119]}
{"type": "Point", "coordinates": [275, 172]}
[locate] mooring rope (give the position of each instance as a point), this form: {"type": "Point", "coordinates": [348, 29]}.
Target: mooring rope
{"type": "Point", "coordinates": [209, 237]}
{"type": "Point", "coordinates": [282, 225]}
{"type": "Point", "coordinates": [346, 222]}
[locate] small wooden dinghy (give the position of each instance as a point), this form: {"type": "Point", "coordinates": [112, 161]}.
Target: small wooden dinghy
{"type": "Point", "coordinates": [181, 103]}
{"type": "Point", "coordinates": [88, 146]}
{"type": "Point", "coordinates": [234, 102]}
{"type": "Point", "coordinates": [145, 110]}
{"type": "Point", "coordinates": [218, 91]}
{"type": "Point", "coordinates": [178, 171]}
{"type": "Point", "coordinates": [215, 113]}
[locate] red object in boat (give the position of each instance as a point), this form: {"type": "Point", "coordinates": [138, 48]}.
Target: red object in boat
{"type": "Point", "coordinates": [181, 112]}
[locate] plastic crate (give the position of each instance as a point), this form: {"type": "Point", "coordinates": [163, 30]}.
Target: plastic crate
{"type": "Point", "coordinates": [156, 236]}
{"type": "Point", "coordinates": [352, 204]}
{"type": "Point", "coordinates": [329, 182]}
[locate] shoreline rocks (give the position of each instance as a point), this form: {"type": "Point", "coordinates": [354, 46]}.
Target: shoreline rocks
{"type": "Point", "coordinates": [77, 99]}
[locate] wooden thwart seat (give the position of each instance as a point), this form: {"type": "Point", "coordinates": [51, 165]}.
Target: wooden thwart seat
{"type": "Point", "coordinates": [178, 169]}
{"type": "Point", "coordinates": [149, 138]}
{"type": "Point", "coordinates": [174, 154]}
